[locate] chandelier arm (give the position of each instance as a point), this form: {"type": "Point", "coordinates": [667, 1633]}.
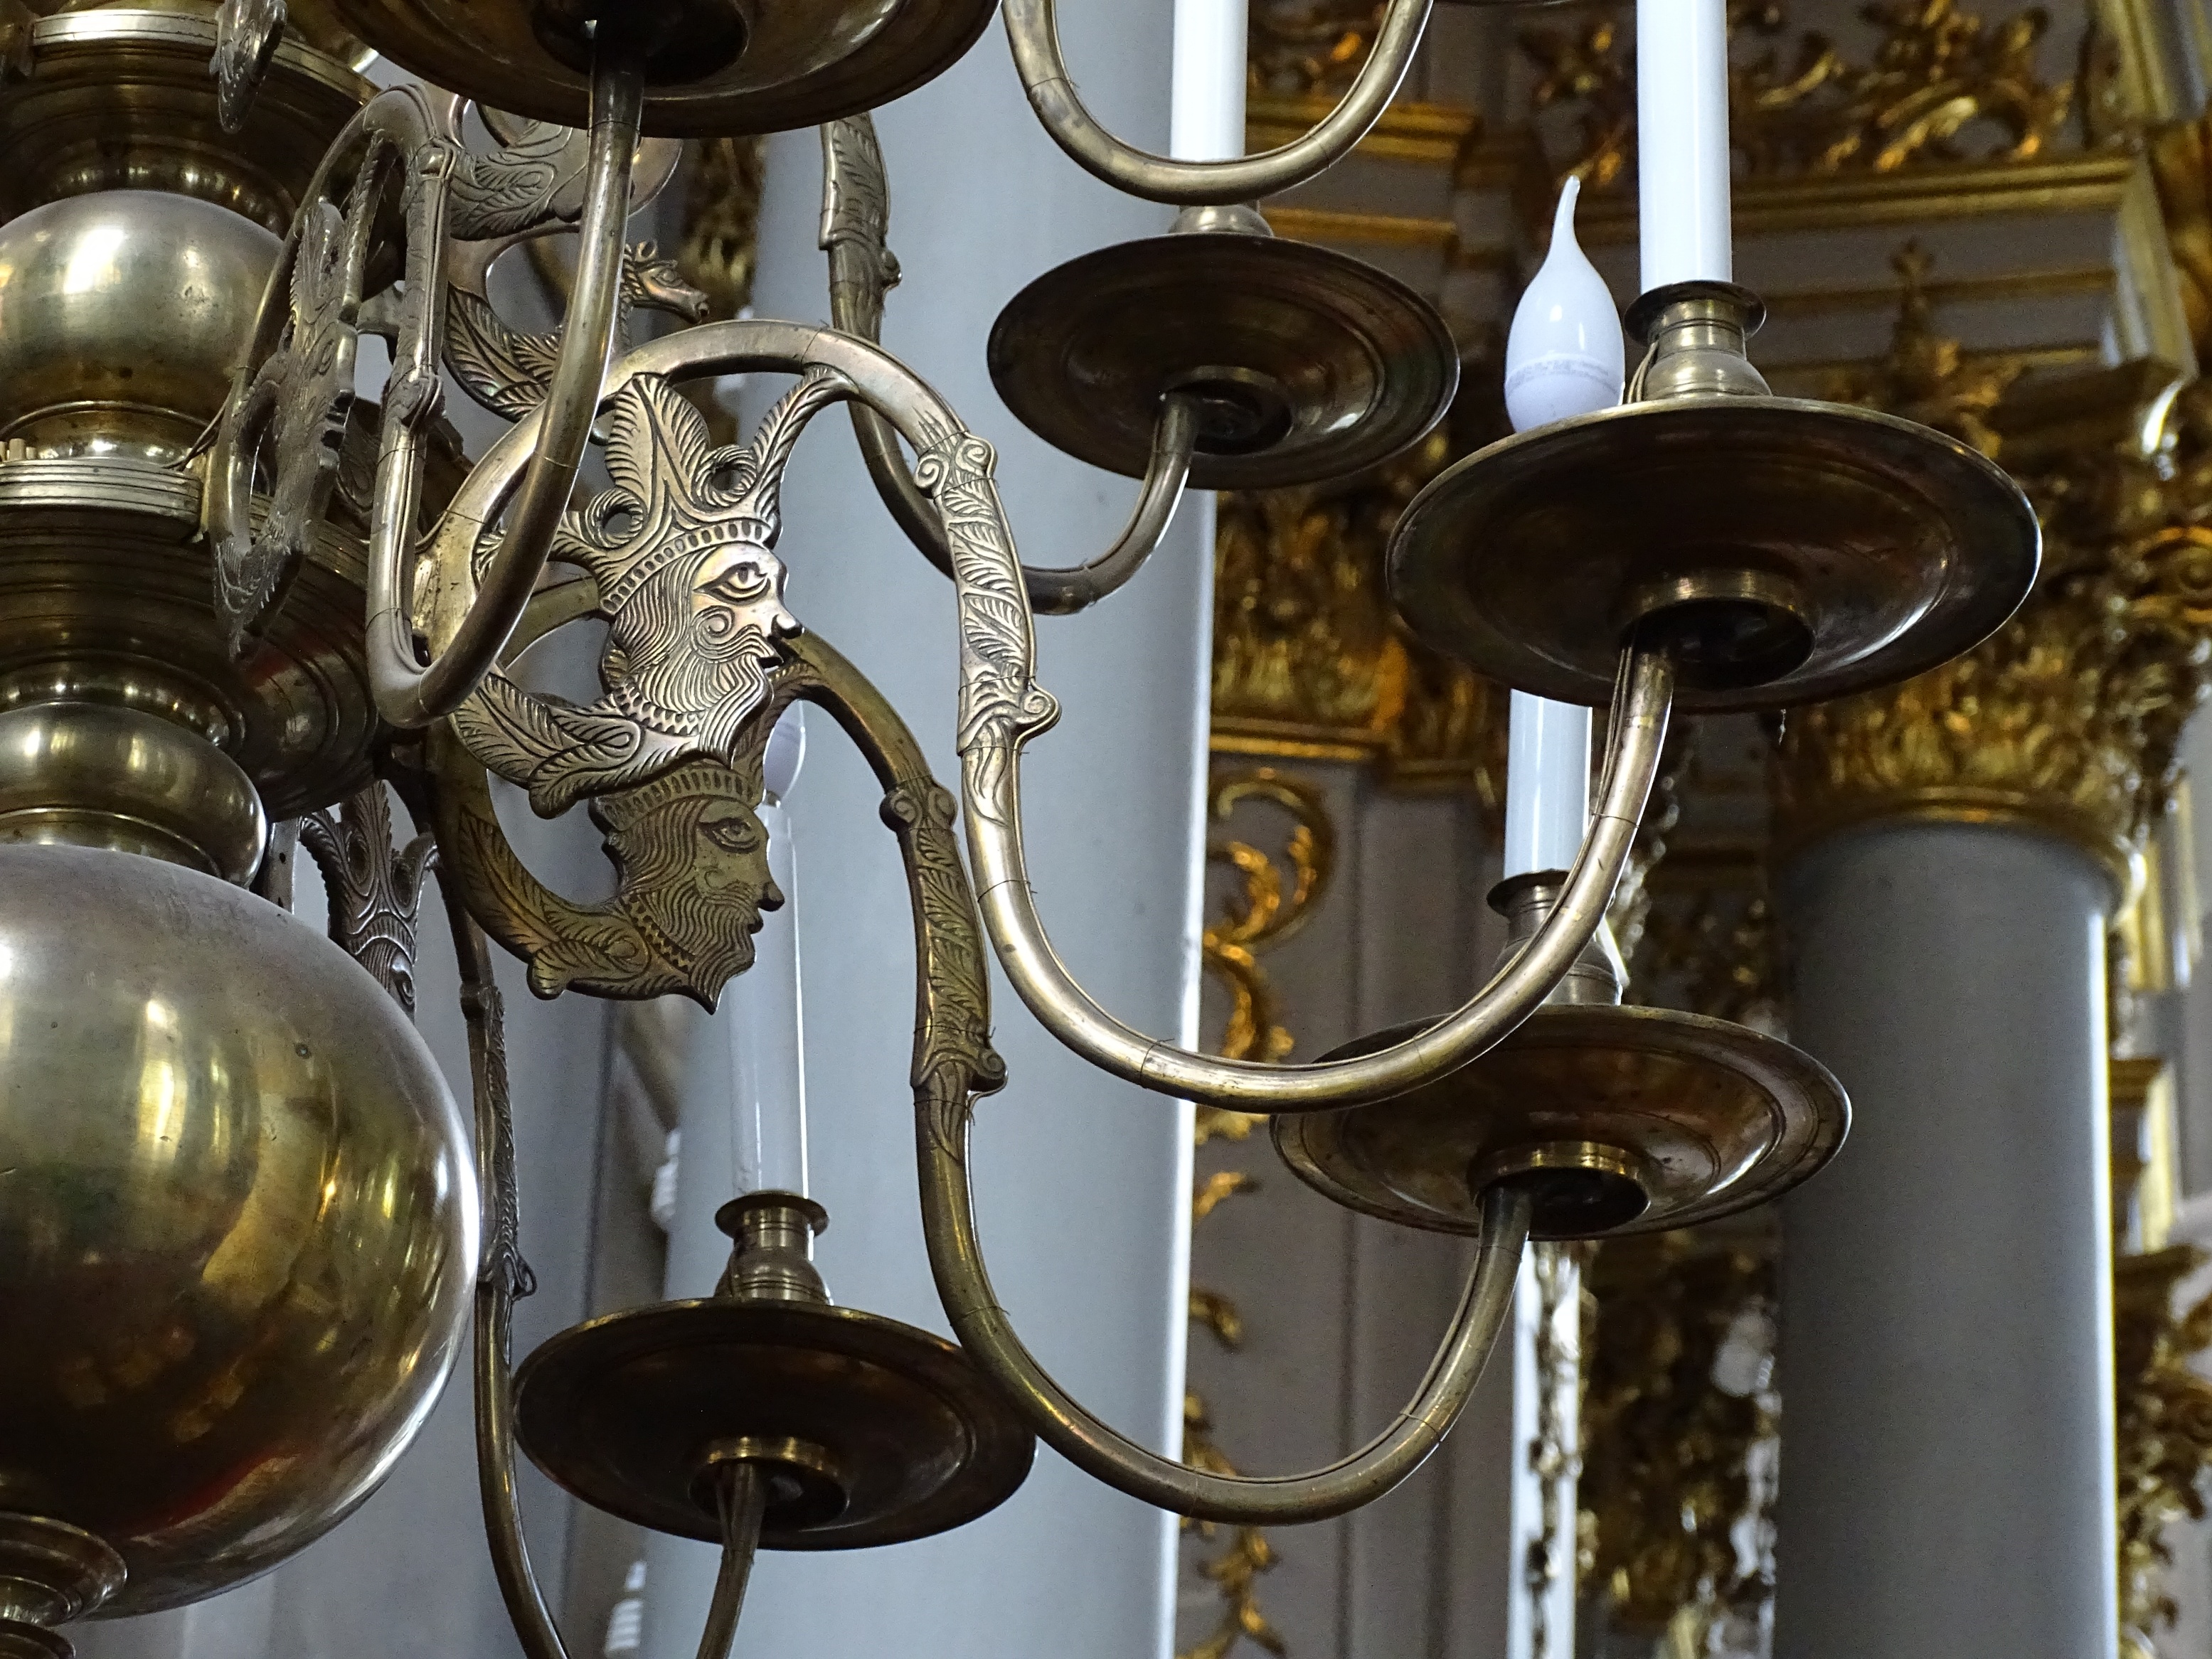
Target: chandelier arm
{"type": "Point", "coordinates": [953, 1058]}
{"type": "Point", "coordinates": [1033, 30]}
{"type": "Point", "coordinates": [408, 694]}
{"type": "Point", "coordinates": [1001, 707]}
{"type": "Point", "coordinates": [855, 220]}
{"type": "Point", "coordinates": [501, 1277]}
{"type": "Point", "coordinates": [964, 1285]}
{"type": "Point", "coordinates": [1636, 733]}
{"type": "Point", "coordinates": [741, 1497]}
{"type": "Point", "coordinates": [1053, 592]}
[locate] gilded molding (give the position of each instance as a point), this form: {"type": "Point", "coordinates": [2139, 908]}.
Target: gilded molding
{"type": "Point", "coordinates": [1309, 659]}
{"type": "Point", "coordinates": [2066, 719]}
{"type": "Point", "coordinates": [2165, 1429]}
{"type": "Point", "coordinates": [1939, 86]}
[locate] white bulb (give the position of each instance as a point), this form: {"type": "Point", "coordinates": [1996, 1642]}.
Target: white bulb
{"type": "Point", "coordinates": [1564, 356]}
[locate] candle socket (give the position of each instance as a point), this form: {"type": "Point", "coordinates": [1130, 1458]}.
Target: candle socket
{"type": "Point", "coordinates": [1695, 334]}
{"type": "Point", "coordinates": [772, 1254]}
{"type": "Point", "coordinates": [1598, 975]}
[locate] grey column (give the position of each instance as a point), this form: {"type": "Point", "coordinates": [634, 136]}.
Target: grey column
{"type": "Point", "coordinates": [1947, 1466]}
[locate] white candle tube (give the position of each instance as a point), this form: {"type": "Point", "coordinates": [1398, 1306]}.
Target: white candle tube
{"type": "Point", "coordinates": [1546, 784]}
{"type": "Point", "coordinates": [1682, 141]}
{"type": "Point", "coordinates": [1206, 110]}
{"type": "Point", "coordinates": [764, 1019]}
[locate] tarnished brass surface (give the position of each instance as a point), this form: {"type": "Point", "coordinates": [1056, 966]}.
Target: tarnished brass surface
{"type": "Point", "coordinates": [623, 1411]}
{"type": "Point", "coordinates": [51, 1572]}
{"type": "Point", "coordinates": [313, 21]}
{"type": "Point", "coordinates": [1707, 1117]}
{"type": "Point", "coordinates": [1306, 363]}
{"type": "Point", "coordinates": [1904, 547]}
{"type": "Point", "coordinates": [121, 99]}
{"type": "Point", "coordinates": [100, 774]}
{"type": "Point", "coordinates": [240, 1222]}
{"type": "Point", "coordinates": [120, 315]}
{"type": "Point", "coordinates": [803, 62]}
{"type": "Point", "coordinates": [105, 595]}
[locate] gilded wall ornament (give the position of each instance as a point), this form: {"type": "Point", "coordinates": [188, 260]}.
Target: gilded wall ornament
{"type": "Point", "coordinates": [1309, 659]}
{"type": "Point", "coordinates": [1309, 47]}
{"type": "Point", "coordinates": [721, 221]}
{"type": "Point", "coordinates": [1675, 1409]}
{"type": "Point", "coordinates": [2165, 1429]}
{"type": "Point", "coordinates": [681, 550]}
{"type": "Point", "coordinates": [1941, 86]}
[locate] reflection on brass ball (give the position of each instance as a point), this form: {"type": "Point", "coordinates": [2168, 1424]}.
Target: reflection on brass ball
{"type": "Point", "coordinates": [239, 1215]}
{"type": "Point", "coordinates": [120, 317]}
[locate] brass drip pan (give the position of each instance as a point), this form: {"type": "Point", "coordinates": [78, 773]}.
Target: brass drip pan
{"type": "Point", "coordinates": [803, 62]}
{"type": "Point", "coordinates": [626, 1412]}
{"type": "Point", "coordinates": [1884, 547]}
{"type": "Point", "coordinates": [1308, 364]}
{"type": "Point", "coordinates": [1706, 1118]}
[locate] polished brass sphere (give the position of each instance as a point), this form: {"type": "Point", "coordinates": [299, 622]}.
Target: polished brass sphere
{"type": "Point", "coordinates": [121, 314]}
{"type": "Point", "coordinates": [238, 1213]}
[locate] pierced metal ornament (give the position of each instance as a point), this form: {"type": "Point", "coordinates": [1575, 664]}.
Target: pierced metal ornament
{"type": "Point", "coordinates": [374, 889]}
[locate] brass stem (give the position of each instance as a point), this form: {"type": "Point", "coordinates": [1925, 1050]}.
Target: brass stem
{"type": "Point", "coordinates": [741, 1499]}
{"type": "Point", "coordinates": [407, 694]}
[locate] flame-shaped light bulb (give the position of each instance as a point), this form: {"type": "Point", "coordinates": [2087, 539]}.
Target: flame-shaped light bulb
{"type": "Point", "coordinates": [1564, 356]}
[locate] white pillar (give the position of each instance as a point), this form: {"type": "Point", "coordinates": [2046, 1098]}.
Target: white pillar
{"type": "Point", "coordinates": [1083, 1181]}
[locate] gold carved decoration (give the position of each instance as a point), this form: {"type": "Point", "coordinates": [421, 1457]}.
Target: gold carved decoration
{"type": "Point", "coordinates": [1677, 1407]}
{"type": "Point", "coordinates": [721, 221]}
{"type": "Point", "coordinates": [1926, 376]}
{"type": "Point", "coordinates": [2165, 1429]}
{"type": "Point", "coordinates": [2068, 719]}
{"type": "Point", "coordinates": [1941, 86]}
{"type": "Point", "coordinates": [1273, 898]}
{"type": "Point", "coordinates": [1310, 47]}
{"type": "Point", "coordinates": [1309, 659]}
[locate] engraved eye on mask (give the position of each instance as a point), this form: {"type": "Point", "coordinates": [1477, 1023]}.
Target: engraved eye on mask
{"type": "Point", "coordinates": [746, 582]}
{"type": "Point", "coordinates": [732, 835]}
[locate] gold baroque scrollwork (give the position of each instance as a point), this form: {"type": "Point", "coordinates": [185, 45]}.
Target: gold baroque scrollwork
{"type": "Point", "coordinates": [1309, 659]}
{"type": "Point", "coordinates": [1272, 898]}
{"type": "Point", "coordinates": [1941, 86]}
{"type": "Point", "coordinates": [1667, 1448]}
{"type": "Point", "coordinates": [2165, 1429]}
{"type": "Point", "coordinates": [2068, 719]}
{"type": "Point", "coordinates": [1310, 47]}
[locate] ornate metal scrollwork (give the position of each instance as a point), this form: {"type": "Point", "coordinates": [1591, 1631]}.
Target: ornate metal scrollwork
{"type": "Point", "coordinates": [509, 371]}
{"type": "Point", "coordinates": [681, 550]}
{"type": "Point", "coordinates": [247, 33]}
{"type": "Point", "coordinates": [301, 396]}
{"type": "Point", "coordinates": [375, 890]}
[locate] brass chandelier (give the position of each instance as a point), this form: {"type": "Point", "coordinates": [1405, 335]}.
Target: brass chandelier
{"type": "Point", "coordinates": [245, 1226]}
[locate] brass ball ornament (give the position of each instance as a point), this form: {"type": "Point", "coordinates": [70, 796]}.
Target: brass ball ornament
{"type": "Point", "coordinates": [240, 1221]}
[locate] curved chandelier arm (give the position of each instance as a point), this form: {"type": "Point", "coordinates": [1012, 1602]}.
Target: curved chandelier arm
{"type": "Point", "coordinates": [1002, 707]}
{"type": "Point", "coordinates": [1636, 733]}
{"type": "Point", "coordinates": [1052, 592]}
{"type": "Point", "coordinates": [408, 694]}
{"type": "Point", "coordinates": [952, 1059]}
{"type": "Point", "coordinates": [987, 1334]}
{"type": "Point", "coordinates": [1034, 32]}
{"type": "Point", "coordinates": [855, 224]}
{"type": "Point", "coordinates": [501, 1277]}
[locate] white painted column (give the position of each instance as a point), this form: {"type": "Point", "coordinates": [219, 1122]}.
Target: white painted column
{"type": "Point", "coordinates": [1083, 1181]}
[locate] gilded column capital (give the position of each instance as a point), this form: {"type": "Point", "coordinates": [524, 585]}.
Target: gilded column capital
{"type": "Point", "coordinates": [2066, 719]}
